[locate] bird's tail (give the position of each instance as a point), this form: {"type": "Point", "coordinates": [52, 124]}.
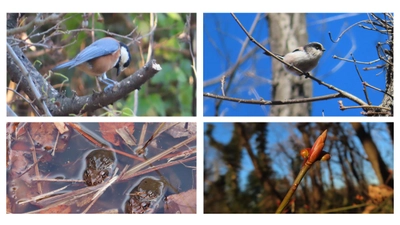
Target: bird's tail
{"type": "Point", "coordinates": [64, 65]}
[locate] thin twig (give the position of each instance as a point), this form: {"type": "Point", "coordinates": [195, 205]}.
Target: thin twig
{"type": "Point", "coordinates": [142, 165]}
{"type": "Point", "coordinates": [307, 75]}
{"type": "Point", "coordinates": [277, 102]}
{"type": "Point", "coordinates": [38, 96]}
{"type": "Point", "coordinates": [35, 161]}
{"type": "Point", "coordinates": [37, 22]}
{"type": "Point", "coordinates": [42, 196]}
{"type": "Point", "coordinates": [90, 135]}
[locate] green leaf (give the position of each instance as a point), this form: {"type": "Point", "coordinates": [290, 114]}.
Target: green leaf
{"type": "Point", "coordinates": [152, 105]}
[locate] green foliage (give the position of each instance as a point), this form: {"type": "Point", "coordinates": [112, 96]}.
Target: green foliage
{"type": "Point", "coordinates": [178, 93]}
{"type": "Point", "coordinates": [152, 105]}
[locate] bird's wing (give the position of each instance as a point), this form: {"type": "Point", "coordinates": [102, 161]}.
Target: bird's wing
{"type": "Point", "coordinates": [63, 65]}
{"type": "Point", "coordinates": [104, 46]}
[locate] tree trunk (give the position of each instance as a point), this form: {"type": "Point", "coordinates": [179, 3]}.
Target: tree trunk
{"type": "Point", "coordinates": [370, 148]}
{"type": "Point", "coordinates": [287, 32]}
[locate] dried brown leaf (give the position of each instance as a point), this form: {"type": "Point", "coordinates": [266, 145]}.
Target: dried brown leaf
{"type": "Point", "coordinates": [57, 209]}
{"type": "Point", "coordinates": [184, 202]}
{"type": "Point", "coordinates": [109, 131]}
{"type": "Point", "coordinates": [45, 136]}
{"type": "Point", "coordinates": [182, 130]}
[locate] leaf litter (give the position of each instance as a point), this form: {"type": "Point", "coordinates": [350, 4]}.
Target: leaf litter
{"type": "Point", "coordinates": [32, 146]}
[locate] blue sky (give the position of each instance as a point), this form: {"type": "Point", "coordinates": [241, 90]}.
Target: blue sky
{"type": "Point", "coordinates": [223, 40]}
{"type": "Point", "coordinates": [279, 133]}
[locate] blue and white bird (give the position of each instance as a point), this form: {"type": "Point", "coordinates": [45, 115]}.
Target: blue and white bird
{"type": "Point", "coordinates": [100, 57]}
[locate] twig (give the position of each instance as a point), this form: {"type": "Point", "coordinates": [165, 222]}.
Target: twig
{"type": "Point", "coordinates": [35, 161]}
{"type": "Point", "coordinates": [38, 21]}
{"type": "Point", "coordinates": [233, 68]}
{"type": "Point", "coordinates": [307, 75]}
{"type": "Point", "coordinates": [361, 79]}
{"type": "Point", "coordinates": [100, 192]}
{"type": "Point", "coordinates": [90, 135]}
{"type": "Point", "coordinates": [278, 102]}
{"type": "Point", "coordinates": [38, 96]}
{"type": "Point", "coordinates": [267, 52]}
{"type": "Point", "coordinates": [342, 107]}
{"type": "Point", "coordinates": [358, 62]}
{"type": "Point", "coordinates": [310, 157]}
{"type": "Point", "coordinates": [27, 100]}
{"type": "Point", "coordinates": [57, 180]}
{"type": "Point", "coordinates": [42, 196]}
{"type": "Point", "coordinates": [347, 29]}
{"type": "Point", "coordinates": [377, 89]}
{"type": "Point", "coordinates": [162, 166]}
{"type": "Point", "coordinates": [140, 166]}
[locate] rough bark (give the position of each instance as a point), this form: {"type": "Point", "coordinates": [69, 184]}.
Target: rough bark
{"type": "Point", "coordinates": [287, 32]}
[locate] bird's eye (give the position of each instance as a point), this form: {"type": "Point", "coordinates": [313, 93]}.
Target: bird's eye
{"type": "Point", "coordinates": [318, 47]}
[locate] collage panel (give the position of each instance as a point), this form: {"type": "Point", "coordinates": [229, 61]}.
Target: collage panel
{"type": "Point", "coordinates": [299, 168]}
{"type": "Point", "coordinates": [300, 68]}
{"type": "Point", "coordinates": [101, 64]}
{"type": "Point", "coordinates": [102, 167]}
{"type": "Point", "coordinates": [298, 64]}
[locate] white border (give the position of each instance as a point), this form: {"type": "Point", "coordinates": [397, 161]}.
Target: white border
{"type": "Point", "coordinates": [199, 7]}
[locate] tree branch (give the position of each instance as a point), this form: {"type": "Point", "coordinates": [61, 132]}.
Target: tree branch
{"type": "Point", "coordinates": [48, 100]}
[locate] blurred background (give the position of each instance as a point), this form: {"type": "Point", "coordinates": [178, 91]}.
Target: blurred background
{"type": "Point", "coordinates": [249, 167]}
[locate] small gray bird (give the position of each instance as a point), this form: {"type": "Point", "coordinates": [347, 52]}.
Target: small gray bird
{"type": "Point", "coordinates": [304, 58]}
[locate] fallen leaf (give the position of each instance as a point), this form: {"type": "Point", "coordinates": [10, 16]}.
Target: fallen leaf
{"type": "Point", "coordinates": [182, 130]}
{"type": "Point", "coordinates": [61, 127]}
{"type": "Point", "coordinates": [184, 202]}
{"type": "Point", "coordinates": [45, 136]}
{"type": "Point", "coordinates": [57, 209]}
{"type": "Point", "coordinates": [109, 131]}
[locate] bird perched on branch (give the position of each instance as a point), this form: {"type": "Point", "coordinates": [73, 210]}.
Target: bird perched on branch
{"type": "Point", "coordinates": [100, 57]}
{"type": "Point", "coordinates": [304, 58]}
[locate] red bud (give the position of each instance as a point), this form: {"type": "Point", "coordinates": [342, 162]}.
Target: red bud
{"type": "Point", "coordinates": [325, 156]}
{"type": "Point", "coordinates": [316, 149]}
{"type": "Point", "coordinates": [305, 153]}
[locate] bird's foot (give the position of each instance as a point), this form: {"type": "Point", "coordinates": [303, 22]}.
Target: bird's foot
{"type": "Point", "coordinates": [110, 83]}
